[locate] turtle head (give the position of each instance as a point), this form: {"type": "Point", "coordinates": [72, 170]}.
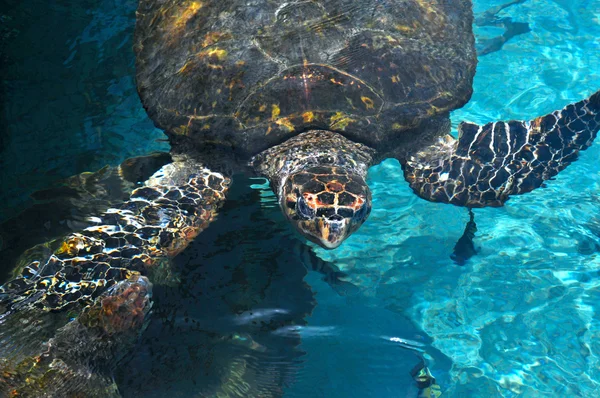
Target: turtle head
{"type": "Point", "coordinates": [319, 178]}
{"type": "Point", "coordinates": [326, 204]}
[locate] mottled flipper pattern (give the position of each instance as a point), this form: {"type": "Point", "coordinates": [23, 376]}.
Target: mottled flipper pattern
{"type": "Point", "coordinates": [488, 163]}
{"type": "Point", "coordinates": [158, 221]}
{"type": "Point", "coordinates": [98, 277]}
{"type": "Point", "coordinates": [79, 360]}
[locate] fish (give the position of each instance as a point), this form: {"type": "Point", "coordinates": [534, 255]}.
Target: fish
{"type": "Point", "coordinates": [306, 331]}
{"type": "Point", "coordinates": [259, 315]}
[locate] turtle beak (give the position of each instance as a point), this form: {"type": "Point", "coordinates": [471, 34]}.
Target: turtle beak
{"type": "Point", "coordinates": [328, 234]}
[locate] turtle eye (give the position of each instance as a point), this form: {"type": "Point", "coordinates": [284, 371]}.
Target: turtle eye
{"type": "Point", "coordinates": [303, 210]}
{"type": "Point", "coordinates": [362, 213]}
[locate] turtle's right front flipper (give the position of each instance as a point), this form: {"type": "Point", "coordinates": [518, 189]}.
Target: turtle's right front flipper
{"type": "Point", "coordinates": [156, 223]}
{"type": "Point", "coordinates": [66, 205]}
{"type": "Point", "coordinates": [136, 239]}
{"type": "Point", "coordinates": [489, 163]}
{"type": "Point", "coordinates": [80, 359]}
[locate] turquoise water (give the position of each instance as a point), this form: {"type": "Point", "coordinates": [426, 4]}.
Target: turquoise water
{"type": "Point", "coordinates": [520, 319]}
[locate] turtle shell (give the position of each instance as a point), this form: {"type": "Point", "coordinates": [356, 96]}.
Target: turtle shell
{"type": "Point", "coordinates": [251, 73]}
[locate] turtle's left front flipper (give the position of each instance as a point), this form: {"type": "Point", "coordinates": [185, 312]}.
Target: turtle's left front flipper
{"type": "Point", "coordinates": [489, 163]}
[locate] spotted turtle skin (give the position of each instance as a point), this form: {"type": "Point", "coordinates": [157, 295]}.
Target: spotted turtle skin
{"type": "Point", "coordinates": [156, 223]}
{"type": "Point", "coordinates": [248, 75]}
{"type": "Point", "coordinates": [91, 295]}
{"type": "Point", "coordinates": [79, 359]}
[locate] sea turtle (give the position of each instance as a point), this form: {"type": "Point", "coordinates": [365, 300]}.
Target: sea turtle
{"type": "Point", "coordinates": [312, 93]}
{"type": "Point", "coordinates": [308, 94]}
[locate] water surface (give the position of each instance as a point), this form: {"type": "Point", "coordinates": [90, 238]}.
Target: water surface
{"type": "Point", "coordinates": [520, 319]}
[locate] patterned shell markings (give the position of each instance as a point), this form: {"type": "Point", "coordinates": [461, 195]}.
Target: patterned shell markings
{"type": "Point", "coordinates": [252, 73]}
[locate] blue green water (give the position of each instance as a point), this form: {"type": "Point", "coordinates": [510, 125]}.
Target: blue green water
{"type": "Point", "coordinates": [520, 319]}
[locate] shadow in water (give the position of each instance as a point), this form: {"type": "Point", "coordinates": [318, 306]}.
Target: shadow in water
{"type": "Point", "coordinates": [215, 332]}
{"type": "Point", "coordinates": [230, 316]}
